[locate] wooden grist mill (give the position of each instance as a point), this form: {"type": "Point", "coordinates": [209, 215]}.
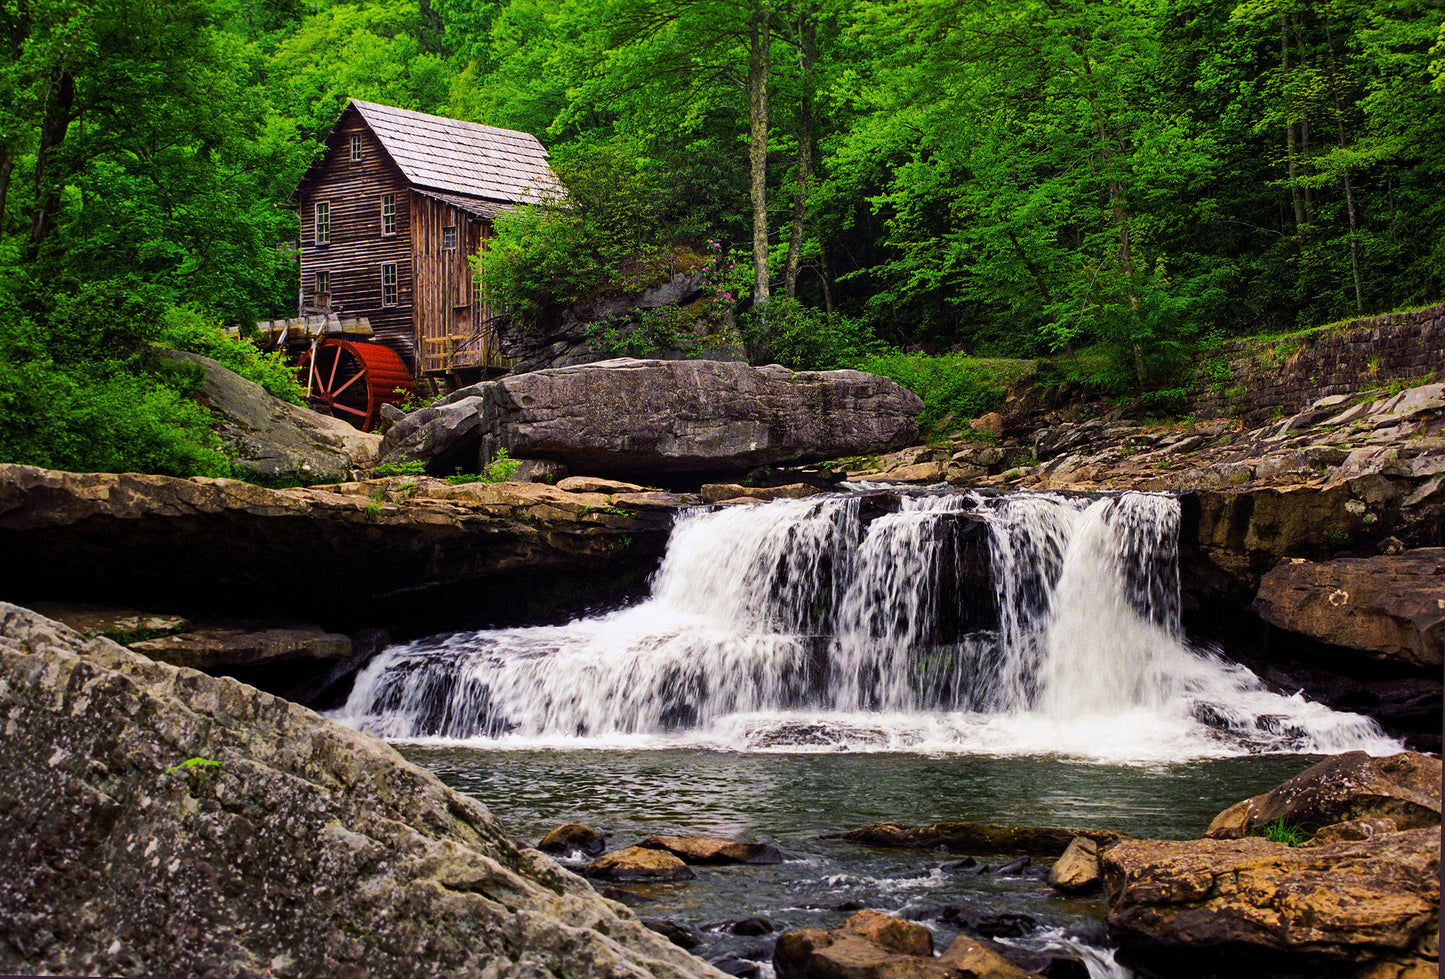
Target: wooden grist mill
{"type": "Point", "coordinates": [390, 217]}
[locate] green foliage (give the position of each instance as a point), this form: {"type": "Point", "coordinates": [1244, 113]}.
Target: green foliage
{"type": "Point", "coordinates": [502, 468]}
{"type": "Point", "coordinates": [191, 764]}
{"type": "Point", "coordinates": [183, 329]}
{"type": "Point", "coordinates": [1280, 831]}
{"type": "Point", "coordinates": [803, 338]}
{"type": "Point", "coordinates": [413, 468]}
{"type": "Point", "coordinates": [954, 388]}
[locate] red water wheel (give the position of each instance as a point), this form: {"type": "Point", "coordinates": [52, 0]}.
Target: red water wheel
{"type": "Point", "coordinates": [352, 381]}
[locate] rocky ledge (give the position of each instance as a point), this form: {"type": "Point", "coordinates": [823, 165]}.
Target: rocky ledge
{"type": "Point", "coordinates": [407, 552]}
{"type": "Point", "coordinates": [157, 821]}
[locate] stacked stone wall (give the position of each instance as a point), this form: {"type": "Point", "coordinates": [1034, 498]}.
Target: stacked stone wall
{"type": "Point", "coordinates": [1256, 379]}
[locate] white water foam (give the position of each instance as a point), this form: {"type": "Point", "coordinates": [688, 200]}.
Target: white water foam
{"type": "Point", "coordinates": [792, 626]}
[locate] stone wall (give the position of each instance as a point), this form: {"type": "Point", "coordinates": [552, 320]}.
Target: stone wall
{"type": "Point", "coordinates": [1257, 379]}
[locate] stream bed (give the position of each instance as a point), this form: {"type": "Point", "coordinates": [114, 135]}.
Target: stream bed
{"type": "Point", "coordinates": [794, 799]}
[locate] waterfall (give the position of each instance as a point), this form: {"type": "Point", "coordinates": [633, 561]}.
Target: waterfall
{"type": "Point", "coordinates": [953, 622]}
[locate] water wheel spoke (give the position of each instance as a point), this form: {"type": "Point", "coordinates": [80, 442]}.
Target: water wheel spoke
{"type": "Point", "coordinates": [335, 363]}
{"type": "Point", "coordinates": [354, 378]}
{"type": "Point", "coordinates": [348, 410]}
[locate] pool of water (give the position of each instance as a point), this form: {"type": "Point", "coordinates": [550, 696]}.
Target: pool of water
{"type": "Point", "coordinates": [794, 800]}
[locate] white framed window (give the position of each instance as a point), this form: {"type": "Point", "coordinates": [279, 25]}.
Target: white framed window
{"type": "Point", "coordinates": [323, 222]}
{"type": "Point", "coordinates": [355, 147]}
{"type": "Point", "coordinates": [449, 238]}
{"type": "Point", "coordinates": [388, 214]}
{"type": "Point", "coordinates": [323, 283]}
{"type": "Point", "coordinates": [388, 284]}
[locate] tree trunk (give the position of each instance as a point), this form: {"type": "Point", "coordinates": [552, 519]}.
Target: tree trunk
{"type": "Point", "coordinates": [759, 39]}
{"type": "Point", "coordinates": [1291, 151]}
{"type": "Point", "coordinates": [59, 102]}
{"type": "Point", "coordinates": [1345, 175]}
{"type": "Point", "coordinates": [807, 57]}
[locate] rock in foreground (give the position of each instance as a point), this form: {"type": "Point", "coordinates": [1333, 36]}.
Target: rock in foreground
{"type": "Point", "coordinates": [157, 821]}
{"type": "Point", "coordinates": [1326, 910]}
{"type": "Point", "coordinates": [630, 417]}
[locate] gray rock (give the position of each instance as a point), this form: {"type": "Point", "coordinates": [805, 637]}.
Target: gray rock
{"type": "Point", "coordinates": [273, 438]}
{"type": "Point", "coordinates": [629, 417]}
{"type": "Point", "coordinates": [157, 821]}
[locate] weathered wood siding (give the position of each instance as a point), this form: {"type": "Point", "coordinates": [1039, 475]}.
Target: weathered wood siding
{"type": "Point", "coordinates": [448, 312]}
{"type": "Point", "coordinates": [357, 248]}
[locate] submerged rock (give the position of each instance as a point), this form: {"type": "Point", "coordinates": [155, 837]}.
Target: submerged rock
{"type": "Point", "coordinates": [573, 836]}
{"type": "Point", "coordinates": [157, 821]}
{"type": "Point", "coordinates": [704, 850]}
{"type": "Point", "coordinates": [629, 417]}
{"type": "Point", "coordinates": [1039, 841]}
{"type": "Point", "coordinates": [1403, 789]}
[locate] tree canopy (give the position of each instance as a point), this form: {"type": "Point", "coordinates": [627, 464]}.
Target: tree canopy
{"type": "Point", "coordinates": [947, 175]}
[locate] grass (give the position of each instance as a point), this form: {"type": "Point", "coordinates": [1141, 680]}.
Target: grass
{"type": "Point", "coordinates": [1279, 831]}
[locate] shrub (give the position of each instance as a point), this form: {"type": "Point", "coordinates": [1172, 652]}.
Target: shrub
{"type": "Point", "coordinates": [953, 387]}
{"type": "Point", "coordinates": [183, 329]}
{"type": "Point", "coordinates": [803, 338]}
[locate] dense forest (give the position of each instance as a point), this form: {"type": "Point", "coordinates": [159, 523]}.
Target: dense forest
{"type": "Point", "coordinates": [1002, 179]}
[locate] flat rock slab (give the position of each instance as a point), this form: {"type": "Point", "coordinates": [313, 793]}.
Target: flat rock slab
{"type": "Point", "coordinates": [210, 650]}
{"type": "Point", "coordinates": [1390, 605]}
{"type": "Point", "coordinates": [877, 946]}
{"type": "Point", "coordinates": [623, 418]}
{"type": "Point", "coordinates": [1038, 841]}
{"type": "Point", "coordinates": [1339, 906]}
{"type": "Point", "coordinates": [158, 821]}
{"type": "Point", "coordinates": [704, 850]}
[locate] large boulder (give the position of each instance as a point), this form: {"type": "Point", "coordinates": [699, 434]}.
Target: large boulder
{"type": "Point", "coordinates": [1320, 911]}
{"type": "Point", "coordinates": [157, 821]}
{"type": "Point", "coordinates": [1403, 788]}
{"type": "Point", "coordinates": [271, 437]}
{"type": "Point", "coordinates": [640, 417]}
{"type": "Point", "coordinates": [1391, 605]}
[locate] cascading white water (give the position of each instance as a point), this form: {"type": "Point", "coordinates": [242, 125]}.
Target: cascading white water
{"type": "Point", "coordinates": [798, 623]}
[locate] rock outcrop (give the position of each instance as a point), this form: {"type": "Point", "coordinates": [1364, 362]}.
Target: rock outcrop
{"type": "Point", "coordinates": [157, 821]}
{"type": "Point", "coordinates": [1361, 898]}
{"type": "Point", "coordinates": [1327, 910]}
{"type": "Point", "coordinates": [1392, 605]}
{"type": "Point", "coordinates": [271, 437]}
{"type": "Point", "coordinates": [627, 417]}
{"type": "Point", "coordinates": [1402, 789]}
{"type": "Point", "coordinates": [410, 552]}
{"type": "Point", "coordinates": [1077, 870]}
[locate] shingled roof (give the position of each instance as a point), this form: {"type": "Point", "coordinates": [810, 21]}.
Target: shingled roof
{"type": "Point", "coordinates": [452, 157]}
